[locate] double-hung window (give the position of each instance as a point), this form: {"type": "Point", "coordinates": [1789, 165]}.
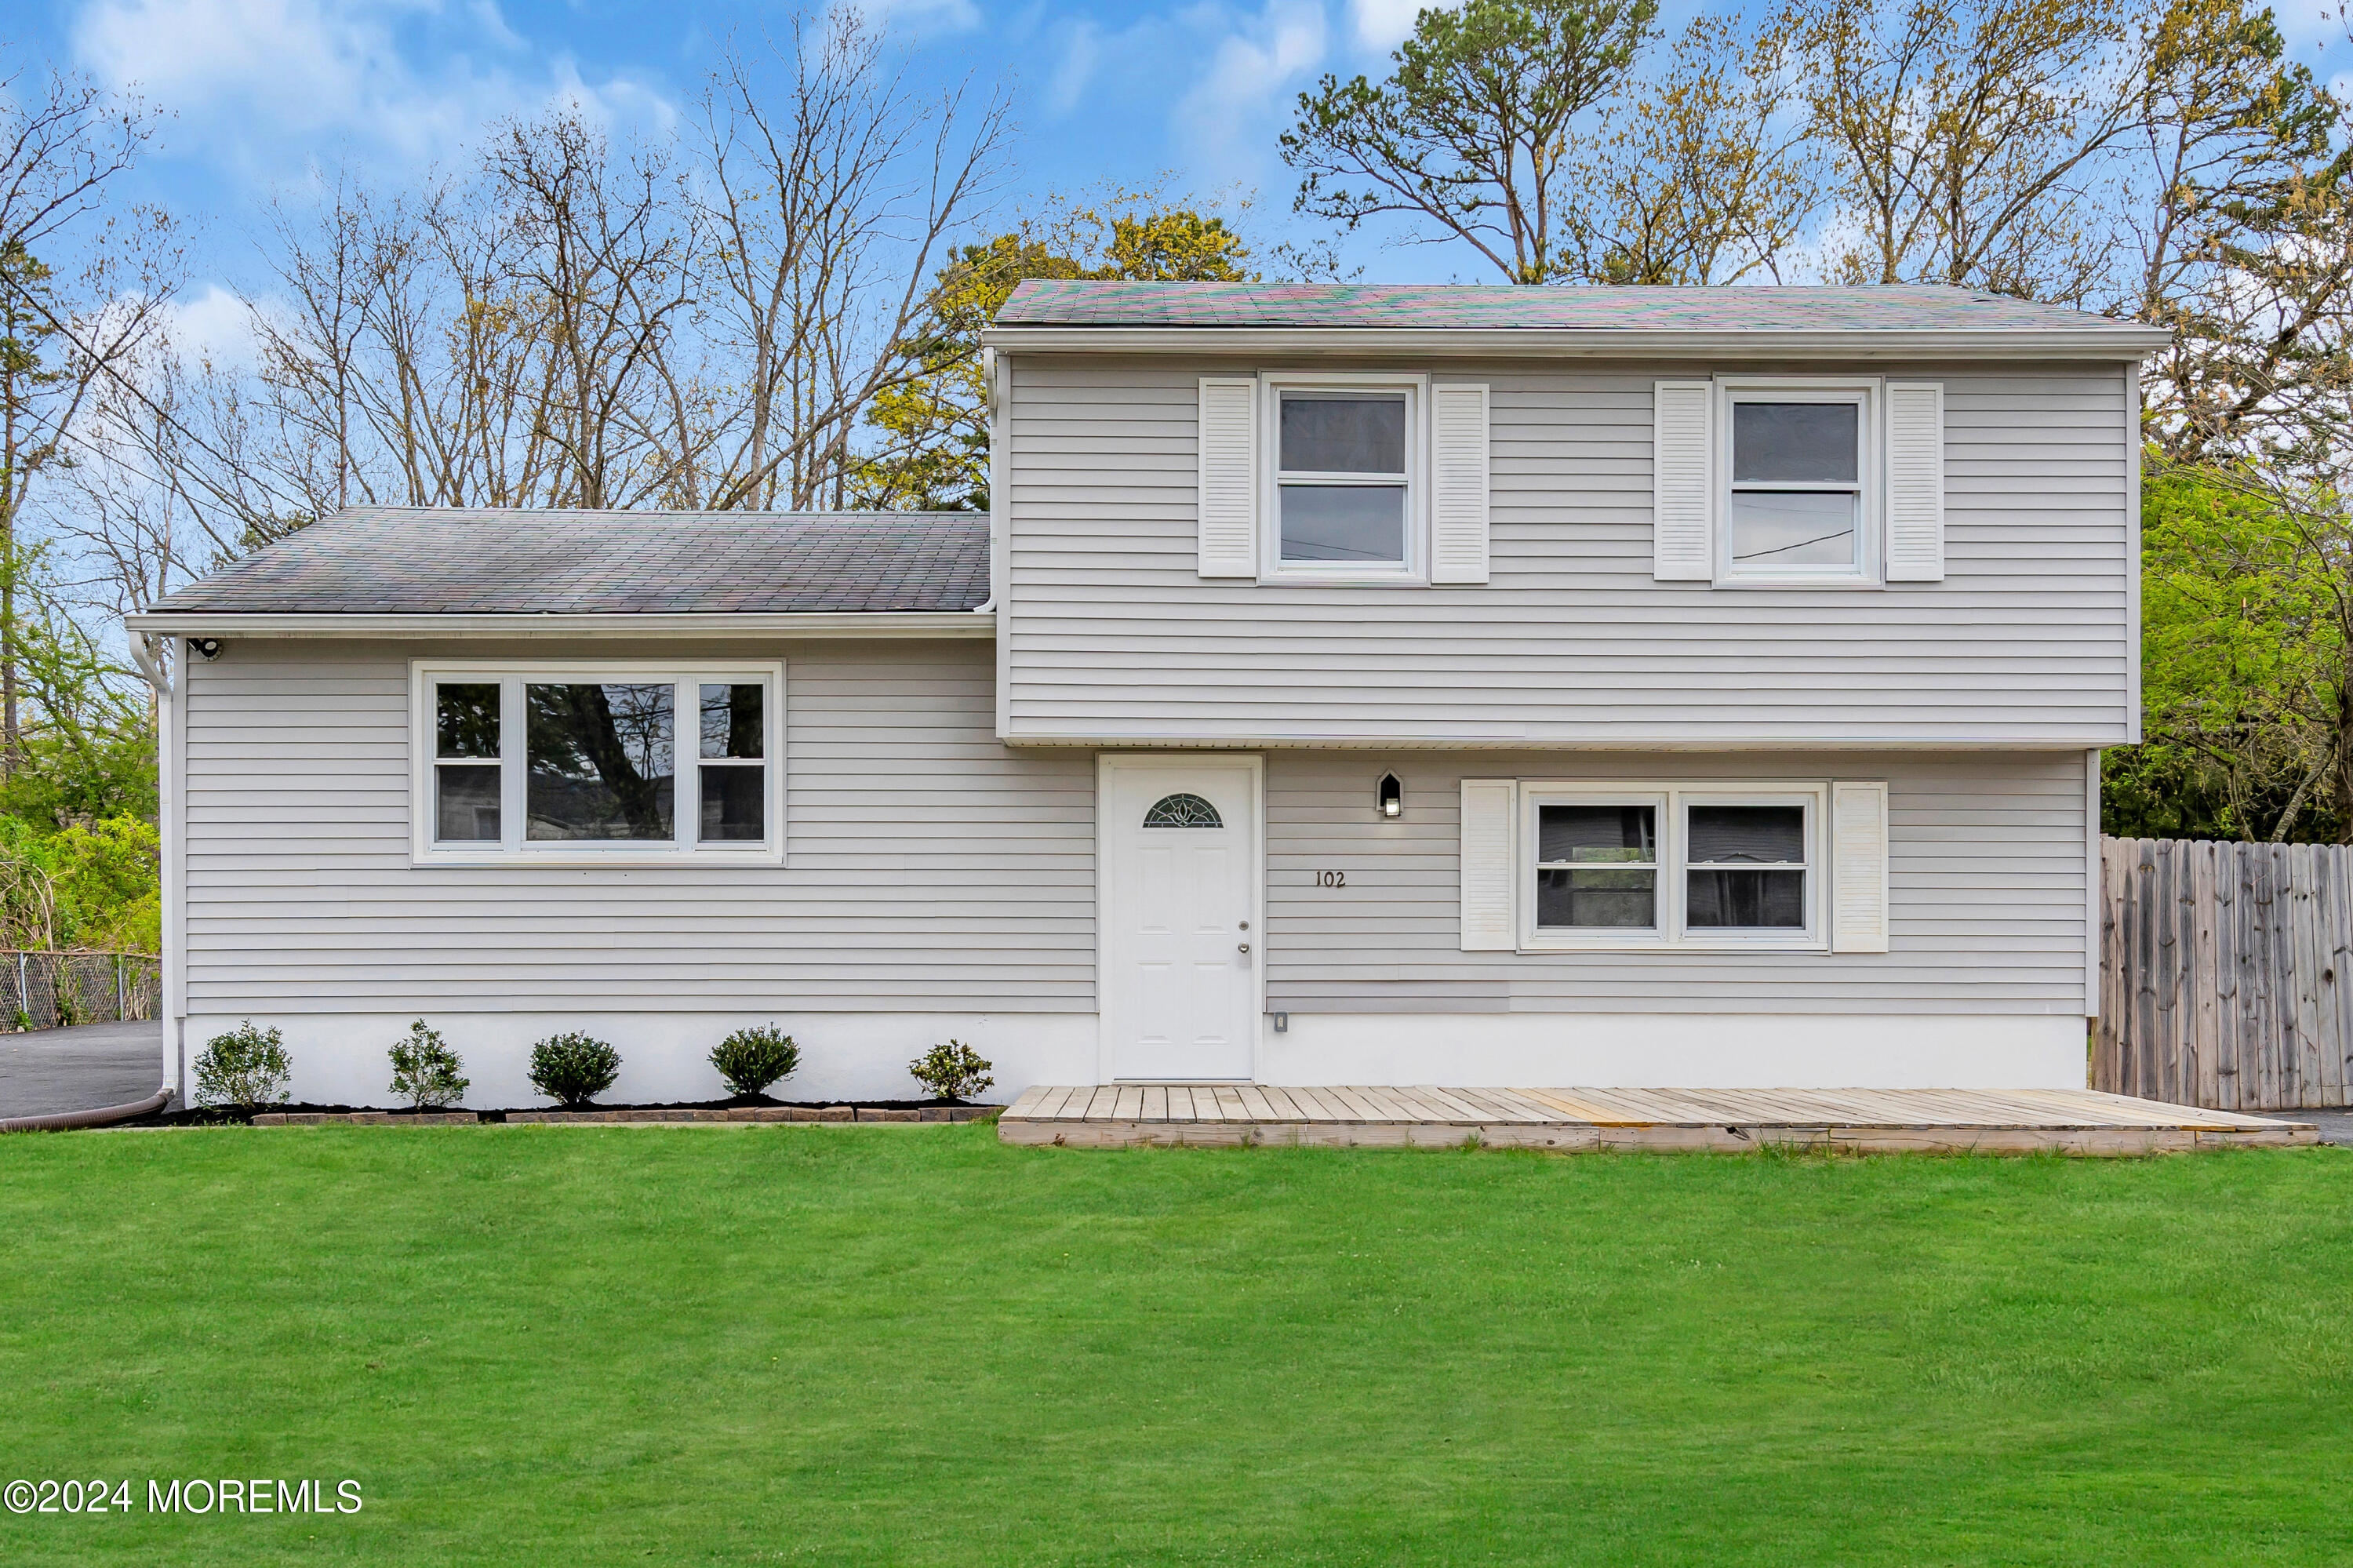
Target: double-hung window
{"type": "Point", "coordinates": [1799, 503]}
{"type": "Point", "coordinates": [1672, 866]}
{"type": "Point", "coordinates": [1345, 477]}
{"type": "Point", "coordinates": [1746, 865]}
{"type": "Point", "coordinates": [467, 768]}
{"type": "Point", "coordinates": [598, 762]}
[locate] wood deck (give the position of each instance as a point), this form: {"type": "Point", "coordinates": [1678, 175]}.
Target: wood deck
{"type": "Point", "coordinates": [1947, 1121]}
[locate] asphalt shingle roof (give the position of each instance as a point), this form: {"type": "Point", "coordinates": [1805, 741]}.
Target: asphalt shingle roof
{"type": "Point", "coordinates": [1891, 308]}
{"type": "Point", "coordinates": [389, 560]}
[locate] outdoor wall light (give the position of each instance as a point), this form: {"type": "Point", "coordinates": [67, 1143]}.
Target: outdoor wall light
{"type": "Point", "coordinates": [1392, 796]}
{"type": "Point", "coordinates": [204, 648]}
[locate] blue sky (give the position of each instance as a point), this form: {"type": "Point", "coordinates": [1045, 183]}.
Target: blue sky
{"type": "Point", "coordinates": [263, 91]}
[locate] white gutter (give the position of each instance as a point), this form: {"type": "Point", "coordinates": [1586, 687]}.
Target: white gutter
{"type": "Point", "coordinates": [2127, 343]}
{"type": "Point", "coordinates": [1516, 740]}
{"type": "Point", "coordinates": [907, 623]}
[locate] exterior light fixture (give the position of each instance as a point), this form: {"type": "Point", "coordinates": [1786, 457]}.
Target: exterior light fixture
{"type": "Point", "coordinates": [204, 648]}
{"type": "Point", "coordinates": [1391, 798]}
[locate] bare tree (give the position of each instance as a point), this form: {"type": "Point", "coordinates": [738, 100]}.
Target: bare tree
{"type": "Point", "coordinates": [571, 322]}
{"type": "Point", "coordinates": [512, 339]}
{"type": "Point", "coordinates": [832, 211]}
{"type": "Point", "coordinates": [64, 336]}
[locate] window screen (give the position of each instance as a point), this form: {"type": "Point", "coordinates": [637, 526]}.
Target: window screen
{"type": "Point", "coordinates": [1341, 481]}
{"type": "Point", "coordinates": [1746, 868]}
{"type": "Point", "coordinates": [1797, 491]}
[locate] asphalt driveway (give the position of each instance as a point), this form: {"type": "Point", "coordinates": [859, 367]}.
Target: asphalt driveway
{"type": "Point", "coordinates": [2336, 1126]}
{"type": "Point", "coordinates": [81, 1068]}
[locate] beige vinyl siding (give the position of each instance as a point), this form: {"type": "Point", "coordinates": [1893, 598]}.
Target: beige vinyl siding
{"type": "Point", "coordinates": [928, 868]}
{"type": "Point", "coordinates": [1114, 634]}
{"type": "Point", "coordinates": [1985, 893]}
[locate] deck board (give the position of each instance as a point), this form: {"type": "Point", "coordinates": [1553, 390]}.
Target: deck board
{"type": "Point", "coordinates": [1285, 1108]}
{"type": "Point", "coordinates": [2075, 1121]}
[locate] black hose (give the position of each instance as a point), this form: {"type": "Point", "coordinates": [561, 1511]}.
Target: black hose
{"type": "Point", "coordinates": [61, 1120]}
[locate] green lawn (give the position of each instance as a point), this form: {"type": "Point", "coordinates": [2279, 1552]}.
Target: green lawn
{"type": "Point", "coordinates": [842, 1345]}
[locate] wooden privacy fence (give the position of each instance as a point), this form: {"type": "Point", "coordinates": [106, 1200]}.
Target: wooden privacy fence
{"type": "Point", "coordinates": [2223, 978]}
{"type": "Point", "coordinates": [43, 990]}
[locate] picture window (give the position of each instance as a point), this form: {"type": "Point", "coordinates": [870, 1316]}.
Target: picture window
{"type": "Point", "coordinates": [537, 759]}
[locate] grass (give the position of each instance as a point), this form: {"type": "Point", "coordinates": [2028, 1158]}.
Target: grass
{"type": "Point", "coordinates": [915, 1346]}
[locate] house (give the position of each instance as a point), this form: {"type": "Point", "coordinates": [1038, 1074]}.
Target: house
{"type": "Point", "coordinates": [1349, 684]}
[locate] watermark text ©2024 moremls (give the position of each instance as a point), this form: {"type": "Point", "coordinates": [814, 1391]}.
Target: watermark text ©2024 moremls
{"type": "Point", "coordinates": [235, 1494]}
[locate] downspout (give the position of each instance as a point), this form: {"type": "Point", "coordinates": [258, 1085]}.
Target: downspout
{"type": "Point", "coordinates": [154, 655]}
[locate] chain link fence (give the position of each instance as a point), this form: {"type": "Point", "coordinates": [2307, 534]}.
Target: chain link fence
{"type": "Point", "coordinates": [49, 990]}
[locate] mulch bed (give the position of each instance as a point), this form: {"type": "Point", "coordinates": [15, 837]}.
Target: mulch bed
{"type": "Point", "coordinates": [758, 1107]}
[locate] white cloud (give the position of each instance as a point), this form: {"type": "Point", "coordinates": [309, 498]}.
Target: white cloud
{"type": "Point", "coordinates": [926, 16]}
{"type": "Point", "coordinates": [1378, 24]}
{"type": "Point", "coordinates": [215, 325]}
{"type": "Point", "coordinates": [1229, 117]}
{"type": "Point", "coordinates": [1075, 72]}
{"type": "Point", "coordinates": [266, 78]}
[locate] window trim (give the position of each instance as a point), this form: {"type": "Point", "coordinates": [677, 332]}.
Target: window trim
{"type": "Point", "coordinates": [1868, 395]}
{"type": "Point", "coordinates": [1414, 570]}
{"type": "Point", "coordinates": [514, 849]}
{"type": "Point", "coordinates": [1673, 799]}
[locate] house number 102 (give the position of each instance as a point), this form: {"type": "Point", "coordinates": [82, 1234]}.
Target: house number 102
{"type": "Point", "coordinates": [1331, 879]}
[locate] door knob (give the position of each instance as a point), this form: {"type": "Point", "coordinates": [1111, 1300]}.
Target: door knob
{"type": "Point", "coordinates": [1245, 948]}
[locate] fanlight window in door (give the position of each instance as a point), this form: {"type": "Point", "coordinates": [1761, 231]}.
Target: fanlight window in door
{"type": "Point", "coordinates": [1181, 812]}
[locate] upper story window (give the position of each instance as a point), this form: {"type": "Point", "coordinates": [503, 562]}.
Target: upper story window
{"type": "Point", "coordinates": [528, 760]}
{"type": "Point", "coordinates": [1798, 504]}
{"type": "Point", "coordinates": [1342, 477]}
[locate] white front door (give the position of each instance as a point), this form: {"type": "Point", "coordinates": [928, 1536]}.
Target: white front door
{"type": "Point", "coordinates": [1180, 921]}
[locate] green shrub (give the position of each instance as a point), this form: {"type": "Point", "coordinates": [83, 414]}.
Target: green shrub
{"type": "Point", "coordinates": [751, 1059]}
{"type": "Point", "coordinates": [426, 1072]}
{"type": "Point", "coordinates": [952, 1072]}
{"type": "Point", "coordinates": [574, 1068]}
{"type": "Point", "coordinates": [245, 1067]}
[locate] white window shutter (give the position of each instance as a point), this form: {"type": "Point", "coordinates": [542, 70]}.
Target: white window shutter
{"type": "Point", "coordinates": [1915, 482]}
{"type": "Point", "coordinates": [1683, 458]}
{"type": "Point", "coordinates": [1458, 506]}
{"type": "Point", "coordinates": [1859, 868]}
{"type": "Point", "coordinates": [1490, 913]}
{"type": "Point", "coordinates": [1229, 478]}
